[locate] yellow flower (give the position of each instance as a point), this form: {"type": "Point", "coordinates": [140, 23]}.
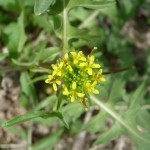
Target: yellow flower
{"type": "Point", "coordinates": [91, 87]}
{"type": "Point", "coordinates": [78, 57]}
{"type": "Point", "coordinates": [90, 64]}
{"type": "Point", "coordinates": [72, 93]}
{"type": "Point", "coordinates": [58, 69]}
{"type": "Point", "coordinates": [99, 76]}
{"type": "Point", "coordinates": [74, 85]}
{"type": "Point", "coordinates": [78, 75]}
{"type": "Point", "coordinates": [65, 92]}
{"type": "Point", "coordinates": [51, 79]}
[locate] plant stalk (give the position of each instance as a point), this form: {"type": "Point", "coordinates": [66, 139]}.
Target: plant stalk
{"type": "Point", "coordinates": [65, 42]}
{"type": "Point", "coordinates": [119, 70]}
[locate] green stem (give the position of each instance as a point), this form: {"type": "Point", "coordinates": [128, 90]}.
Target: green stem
{"type": "Point", "coordinates": [119, 70]}
{"type": "Point", "coordinates": [65, 42]}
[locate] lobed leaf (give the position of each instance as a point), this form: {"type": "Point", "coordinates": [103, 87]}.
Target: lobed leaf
{"type": "Point", "coordinates": [127, 123]}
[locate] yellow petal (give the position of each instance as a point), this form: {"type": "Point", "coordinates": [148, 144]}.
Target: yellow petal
{"type": "Point", "coordinates": [74, 85]}
{"type": "Point", "coordinates": [55, 87]}
{"type": "Point", "coordinates": [58, 82]}
{"type": "Point", "coordinates": [65, 92]}
{"type": "Point", "coordinates": [54, 66]}
{"type": "Point", "coordinates": [74, 54]}
{"type": "Point", "coordinates": [83, 58]}
{"type": "Point", "coordinates": [47, 81]}
{"type": "Point", "coordinates": [87, 85]}
{"type": "Point", "coordinates": [91, 59]}
{"type": "Point", "coordinates": [80, 94]}
{"type": "Point", "coordinates": [80, 53]}
{"type": "Point", "coordinates": [66, 56]}
{"type": "Point", "coordinates": [75, 61]}
{"type": "Point", "coordinates": [95, 91]}
{"type": "Point", "coordinates": [103, 79]}
{"type": "Point", "coordinates": [100, 71]}
{"type": "Point", "coordinates": [70, 68]}
{"type": "Point", "coordinates": [82, 64]}
{"type": "Point", "coordinates": [96, 66]}
{"type": "Point", "coordinates": [90, 71]}
{"type": "Point", "coordinates": [59, 73]}
{"type": "Point", "coordinates": [72, 99]}
{"type": "Point", "coordinates": [94, 83]}
{"type": "Point", "coordinates": [50, 77]}
{"type": "Point", "coordinates": [54, 72]}
{"type": "Point", "coordinates": [61, 65]}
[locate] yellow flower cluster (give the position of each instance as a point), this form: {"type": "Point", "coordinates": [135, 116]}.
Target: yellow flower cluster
{"type": "Point", "coordinates": [78, 75]}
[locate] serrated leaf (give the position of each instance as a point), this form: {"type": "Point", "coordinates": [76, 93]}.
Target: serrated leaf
{"type": "Point", "coordinates": [117, 90]}
{"type": "Point", "coordinates": [97, 123]}
{"type": "Point", "coordinates": [143, 119]}
{"type": "Point", "coordinates": [42, 5]}
{"type": "Point", "coordinates": [127, 121]}
{"type": "Point", "coordinates": [112, 134]}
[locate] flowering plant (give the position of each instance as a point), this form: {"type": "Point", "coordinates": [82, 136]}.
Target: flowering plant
{"type": "Point", "coordinates": [77, 75]}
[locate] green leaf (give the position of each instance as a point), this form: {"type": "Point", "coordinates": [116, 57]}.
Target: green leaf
{"type": "Point", "coordinates": [46, 102]}
{"type": "Point", "coordinates": [127, 121]}
{"type": "Point", "coordinates": [143, 119]}
{"type": "Point", "coordinates": [117, 91]}
{"type": "Point", "coordinates": [27, 87]}
{"type": "Point", "coordinates": [39, 78]}
{"type": "Point", "coordinates": [58, 7]}
{"type": "Point", "coordinates": [17, 38]}
{"type": "Point", "coordinates": [70, 111]}
{"type": "Point", "coordinates": [42, 5]}
{"type": "Point", "coordinates": [26, 117]}
{"type": "Point", "coordinates": [47, 54]}
{"type": "Point", "coordinates": [33, 115]}
{"type": "Point", "coordinates": [43, 22]}
{"type": "Point", "coordinates": [61, 117]}
{"type": "Point", "coordinates": [8, 5]}
{"type": "Point", "coordinates": [57, 22]}
{"type": "Point", "coordinates": [112, 134]}
{"type": "Point", "coordinates": [97, 123]}
{"type": "Point", "coordinates": [92, 4]}
{"type": "Point", "coordinates": [24, 64]}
